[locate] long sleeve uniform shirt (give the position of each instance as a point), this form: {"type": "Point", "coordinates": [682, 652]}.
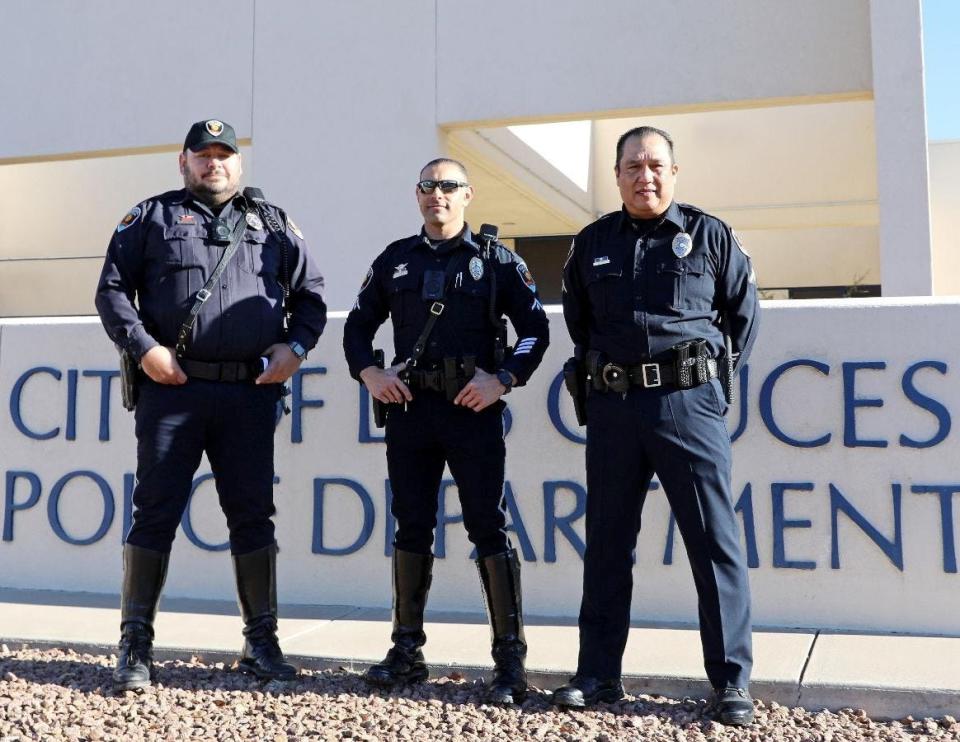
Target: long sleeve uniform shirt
{"type": "Point", "coordinates": [160, 256]}
{"type": "Point", "coordinates": [394, 287]}
{"type": "Point", "coordinates": [633, 290]}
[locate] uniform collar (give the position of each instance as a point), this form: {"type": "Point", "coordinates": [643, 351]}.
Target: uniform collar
{"type": "Point", "coordinates": [465, 238]}
{"type": "Point", "coordinates": [184, 197]}
{"type": "Point", "coordinates": [672, 214]}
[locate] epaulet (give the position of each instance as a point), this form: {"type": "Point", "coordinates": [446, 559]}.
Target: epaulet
{"type": "Point", "coordinates": [690, 208]}
{"type": "Point", "coordinates": [609, 216]}
{"type": "Point", "coordinates": [505, 255]}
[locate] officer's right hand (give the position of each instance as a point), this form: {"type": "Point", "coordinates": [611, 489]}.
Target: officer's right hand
{"type": "Point", "coordinates": [384, 384]}
{"type": "Point", "coordinates": [160, 364]}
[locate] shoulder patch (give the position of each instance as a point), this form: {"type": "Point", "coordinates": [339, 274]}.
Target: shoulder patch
{"type": "Point", "coordinates": [526, 276]}
{"type": "Point", "coordinates": [367, 280]}
{"type": "Point", "coordinates": [129, 218]}
{"type": "Point", "coordinates": [294, 228]}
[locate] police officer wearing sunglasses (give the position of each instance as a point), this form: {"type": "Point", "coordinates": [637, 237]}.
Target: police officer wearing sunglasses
{"type": "Point", "coordinates": [209, 382]}
{"type": "Point", "coordinates": [446, 290]}
{"type": "Point", "coordinates": [645, 292]}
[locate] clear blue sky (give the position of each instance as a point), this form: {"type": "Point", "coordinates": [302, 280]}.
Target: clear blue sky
{"type": "Point", "coordinates": [941, 58]}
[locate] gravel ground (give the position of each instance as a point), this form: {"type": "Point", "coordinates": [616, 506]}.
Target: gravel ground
{"type": "Point", "coordinates": [54, 694]}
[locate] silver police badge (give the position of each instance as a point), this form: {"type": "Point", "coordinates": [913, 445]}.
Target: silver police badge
{"type": "Point", "coordinates": [476, 268]}
{"type": "Point", "coordinates": [682, 245]}
{"type": "Point", "coordinates": [254, 221]}
{"type": "Point", "coordinates": [214, 127]}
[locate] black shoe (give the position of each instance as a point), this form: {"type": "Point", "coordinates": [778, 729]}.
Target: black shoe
{"type": "Point", "coordinates": [500, 580]}
{"type": "Point", "coordinates": [144, 572]}
{"type": "Point", "coordinates": [135, 664]}
{"type": "Point", "coordinates": [261, 654]}
{"type": "Point", "coordinates": [404, 663]}
{"type": "Point", "coordinates": [731, 706]}
{"type": "Point", "coordinates": [509, 682]}
{"type": "Point", "coordinates": [256, 574]}
{"type": "Point", "coordinates": [584, 691]}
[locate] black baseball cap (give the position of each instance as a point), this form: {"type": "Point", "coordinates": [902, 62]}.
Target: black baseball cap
{"type": "Point", "coordinates": [211, 131]}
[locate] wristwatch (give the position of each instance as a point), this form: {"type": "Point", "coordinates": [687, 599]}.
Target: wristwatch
{"type": "Point", "coordinates": [298, 350]}
{"type": "Point", "coordinates": [505, 378]}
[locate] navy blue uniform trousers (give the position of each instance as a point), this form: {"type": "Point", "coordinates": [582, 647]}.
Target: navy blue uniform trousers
{"type": "Point", "coordinates": [432, 432]}
{"type": "Point", "coordinates": [234, 424]}
{"type": "Point", "coordinates": [682, 437]}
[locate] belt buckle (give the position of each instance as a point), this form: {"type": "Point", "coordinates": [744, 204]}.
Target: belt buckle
{"type": "Point", "coordinates": [203, 295]}
{"type": "Point", "coordinates": [437, 308]}
{"type": "Point", "coordinates": [645, 370]}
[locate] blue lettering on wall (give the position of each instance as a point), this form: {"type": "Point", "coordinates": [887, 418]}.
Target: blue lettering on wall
{"type": "Point", "coordinates": [364, 434]}
{"type": "Point", "coordinates": [742, 394]}
{"type": "Point", "coordinates": [15, 403]}
{"type": "Point", "coordinates": [53, 508]}
{"type": "Point", "coordinates": [744, 506]}
{"type": "Point", "coordinates": [553, 409]}
{"type": "Point", "coordinates": [851, 402]}
{"type": "Point", "coordinates": [319, 497]}
{"type": "Point", "coordinates": [766, 403]}
{"type": "Point", "coordinates": [564, 523]}
{"type": "Point", "coordinates": [781, 524]}
{"type": "Point", "coordinates": [186, 521]}
{"type": "Point", "coordinates": [945, 493]}
{"type": "Point", "coordinates": [298, 403]}
{"type": "Point", "coordinates": [892, 549]}
{"type": "Point", "coordinates": [106, 378]}
{"type": "Point", "coordinates": [927, 403]}
{"type": "Point", "coordinates": [71, 432]}
{"type": "Point", "coordinates": [10, 505]}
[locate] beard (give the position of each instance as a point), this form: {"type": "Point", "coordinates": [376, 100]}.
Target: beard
{"type": "Point", "coordinates": [212, 194]}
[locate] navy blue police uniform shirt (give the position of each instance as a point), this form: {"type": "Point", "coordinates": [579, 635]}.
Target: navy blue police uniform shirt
{"type": "Point", "coordinates": [160, 257]}
{"type": "Point", "coordinates": [628, 294]}
{"type": "Point", "coordinates": [393, 286]}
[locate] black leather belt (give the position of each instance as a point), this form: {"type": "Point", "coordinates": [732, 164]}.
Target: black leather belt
{"type": "Point", "coordinates": [649, 375]}
{"type": "Point", "coordinates": [417, 379]}
{"type": "Point", "coordinates": [232, 371]}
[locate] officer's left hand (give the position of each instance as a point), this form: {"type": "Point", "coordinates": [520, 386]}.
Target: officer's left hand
{"type": "Point", "coordinates": [283, 364]}
{"type": "Point", "coordinates": [481, 391]}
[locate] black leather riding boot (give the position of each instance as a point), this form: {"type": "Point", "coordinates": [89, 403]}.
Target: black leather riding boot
{"type": "Point", "coordinates": [500, 578]}
{"type": "Point", "coordinates": [404, 663]}
{"type": "Point", "coordinates": [144, 571]}
{"type": "Point", "coordinates": [256, 574]}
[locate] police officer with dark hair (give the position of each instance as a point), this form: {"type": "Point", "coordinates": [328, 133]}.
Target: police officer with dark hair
{"type": "Point", "coordinates": [645, 293]}
{"type": "Point", "coordinates": [213, 356]}
{"type": "Point", "coordinates": [446, 290]}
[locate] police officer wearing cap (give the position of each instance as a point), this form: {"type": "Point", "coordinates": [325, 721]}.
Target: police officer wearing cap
{"type": "Point", "coordinates": [645, 292]}
{"type": "Point", "coordinates": [445, 290]}
{"type": "Point", "coordinates": [209, 382]}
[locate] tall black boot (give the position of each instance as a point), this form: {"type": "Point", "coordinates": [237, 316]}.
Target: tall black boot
{"type": "Point", "coordinates": [144, 572]}
{"type": "Point", "coordinates": [500, 578]}
{"type": "Point", "coordinates": [256, 574]}
{"type": "Point", "coordinates": [404, 663]}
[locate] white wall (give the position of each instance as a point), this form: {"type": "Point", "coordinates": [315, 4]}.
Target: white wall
{"type": "Point", "coordinates": [866, 591]}
{"type": "Point", "coordinates": [547, 58]}
{"type": "Point", "coordinates": [945, 215]}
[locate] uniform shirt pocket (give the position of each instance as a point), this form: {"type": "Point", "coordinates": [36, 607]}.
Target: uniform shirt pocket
{"type": "Point", "coordinates": [602, 285]}
{"type": "Point", "coordinates": [680, 283]}
{"type": "Point", "coordinates": [405, 302]}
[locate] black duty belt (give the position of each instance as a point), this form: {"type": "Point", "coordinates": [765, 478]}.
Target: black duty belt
{"type": "Point", "coordinates": [652, 375]}
{"type": "Point", "coordinates": [233, 371]}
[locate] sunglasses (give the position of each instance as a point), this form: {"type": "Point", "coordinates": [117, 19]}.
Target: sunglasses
{"type": "Point", "coordinates": [445, 186]}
